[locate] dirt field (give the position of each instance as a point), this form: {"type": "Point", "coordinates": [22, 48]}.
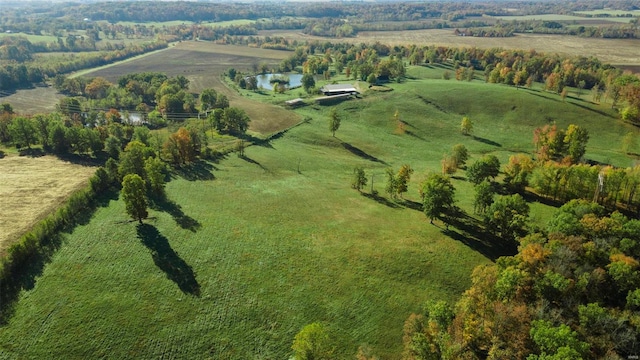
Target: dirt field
{"type": "Point", "coordinates": [613, 51]}
{"type": "Point", "coordinates": [32, 101]}
{"type": "Point", "coordinates": [203, 63]}
{"type": "Point", "coordinates": [31, 188]}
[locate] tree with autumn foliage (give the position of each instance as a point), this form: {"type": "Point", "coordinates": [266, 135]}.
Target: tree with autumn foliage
{"type": "Point", "coordinates": [517, 172]}
{"type": "Point", "coordinates": [571, 292]}
{"type": "Point", "coordinates": [179, 147]}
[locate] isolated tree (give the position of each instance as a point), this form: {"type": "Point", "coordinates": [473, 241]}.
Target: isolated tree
{"type": "Point", "coordinates": [437, 195]}
{"type": "Point", "coordinates": [402, 179]}
{"type": "Point", "coordinates": [507, 217]}
{"type": "Point", "coordinates": [312, 343]}
{"type": "Point", "coordinates": [134, 196]}
{"type": "Point", "coordinates": [392, 183]}
{"type": "Point", "coordinates": [308, 82]}
{"type": "Point", "coordinates": [334, 121]}
{"type": "Point", "coordinates": [23, 132]}
{"type": "Point", "coordinates": [483, 197]}
{"type": "Point", "coordinates": [466, 126]}
{"type": "Point", "coordinates": [359, 179]}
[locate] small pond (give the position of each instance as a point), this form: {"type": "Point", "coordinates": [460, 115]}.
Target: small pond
{"type": "Point", "coordinates": [295, 80]}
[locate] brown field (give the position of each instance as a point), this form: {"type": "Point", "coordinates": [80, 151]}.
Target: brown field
{"type": "Point", "coordinates": [613, 51]}
{"type": "Point", "coordinates": [31, 188]}
{"type": "Point", "coordinates": [33, 101]}
{"type": "Point", "coordinates": [203, 63]}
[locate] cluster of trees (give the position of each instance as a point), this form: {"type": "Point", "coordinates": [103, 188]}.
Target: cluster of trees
{"type": "Point", "coordinates": [571, 292]}
{"type": "Point", "coordinates": [504, 29]}
{"type": "Point", "coordinates": [154, 95]}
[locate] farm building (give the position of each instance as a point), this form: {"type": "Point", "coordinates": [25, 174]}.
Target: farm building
{"type": "Point", "coordinates": [338, 89]}
{"type": "Point", "coordinates": [294, 102]}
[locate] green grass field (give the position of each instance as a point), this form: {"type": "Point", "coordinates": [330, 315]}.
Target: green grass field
{"type": "Point", "coordinates": [30, 37]}
{"type": "Point", "coordinates": [249, 250]}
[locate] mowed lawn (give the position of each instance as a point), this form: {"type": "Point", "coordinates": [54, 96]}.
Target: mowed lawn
{"type": "Point", "coordinates": [247, 251]}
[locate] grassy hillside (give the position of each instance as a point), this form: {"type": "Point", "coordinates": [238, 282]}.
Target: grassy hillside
{"type": "Point", "coordinates": [249, 250]}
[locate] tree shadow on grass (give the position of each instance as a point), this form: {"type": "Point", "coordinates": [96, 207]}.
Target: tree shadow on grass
{"type": "Point", "coordinates": [167, 260]}
{"type": "Point", "coordinates": [487, 141]}
{"type": "Point", "coordinates": [382, 200]}
{"type": "Point", "coordinates": [358, 152]}
{"type": "Point", "coordinates": [183, 220]}
{"type": "Point", "coordinates": [199, 170]}
{"type": "Point", "coordinates": [471, 232]}
{"type": "Point", "coordinates": [593, 110]}
{"type": "Point", "coordinates": [22, 275]}
{"type": "Point", "coordinates": [250, 160]}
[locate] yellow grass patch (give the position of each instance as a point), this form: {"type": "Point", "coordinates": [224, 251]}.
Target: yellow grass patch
{"type": "Point", "coordinates": [31, 188]}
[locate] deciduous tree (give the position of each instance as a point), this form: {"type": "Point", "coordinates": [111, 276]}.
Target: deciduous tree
{"type": "Point", "coordinates": [134, 197]}
{"type": "Point", "coordinates": [312, 343]}
{"type": "Point", "coordinates": [466, 126]}
{"type": "Point", "coordinates": [23, 132]}
{"type": "Point", "coordinates": [359, 179]}
{"type": "Point", "coordinates": [437, 195]}
{"type": "Point", "coordinates": [507, 217]}
{"type": "Point", "coordinates": [334, 121]}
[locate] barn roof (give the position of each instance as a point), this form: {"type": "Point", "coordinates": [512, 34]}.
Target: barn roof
{"type": "Point", "coordinates": [338, 88]}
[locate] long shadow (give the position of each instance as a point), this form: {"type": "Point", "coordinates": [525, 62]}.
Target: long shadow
{"type": "Point", "coordinates": [84, 160]}
{"type": "Point", "coordinates": [487, 141]}
{"type": "Point", "coordinates": [382, 200]}
{"type": "Point", "coordinates": [545, 97]}
{"type": "Point", "coordinates": [412, 205]}
{"type": "Point", "coordinates": [22, 275]}
{"type": "Point", "coordinates": [594, 110]}
{"type": "Point", "coordinates": [532, 197]}
{"type": "Point", "coordinates": [472, 233]}
{"type": "Point", "coordinates": [199, 170]}
{"type": "Point", "coordinates": [412, 134]}
{"type": "Point", "coordinates": [167, 260]}
{"type": "Point", "coordinates": [169, 206]}
{"type": "Point", "coordinates": [250, 160]}
{"type": "Point", "coordinates": [358, 152]}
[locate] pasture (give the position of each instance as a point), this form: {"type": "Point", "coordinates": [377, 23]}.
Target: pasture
{"type": "Point", "coordinates": [246, 251]}
{"type": "Point", "coordinates": [31, 188]}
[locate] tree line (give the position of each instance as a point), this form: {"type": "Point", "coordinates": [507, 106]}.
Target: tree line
{"type": "Point", "coordinates": [14, 75]}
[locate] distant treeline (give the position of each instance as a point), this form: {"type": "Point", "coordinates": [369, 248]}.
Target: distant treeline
{"type": "Point", "coordinates": [505, 29]}
{"type": "Point", "coordinates": [322, 19]}
{"type": "Point", "coordinates": [14, 75]}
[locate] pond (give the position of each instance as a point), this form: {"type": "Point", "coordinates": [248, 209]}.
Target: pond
{"type": "Point", "coordinates": [295, 80]}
